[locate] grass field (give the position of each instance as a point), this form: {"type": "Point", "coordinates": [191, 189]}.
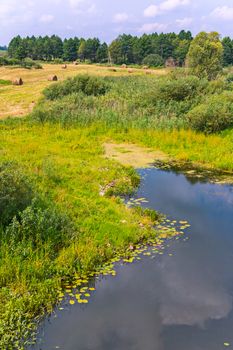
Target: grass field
{"type": "Point", "coordinates": [64, 168]}
{"type": "Point", "coordinates": [17, 101]}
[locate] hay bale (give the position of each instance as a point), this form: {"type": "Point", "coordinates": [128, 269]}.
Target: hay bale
{"type": "Point", "coordinates": [75, 63]}
{"type": "Point", "coordinates": [124, 66]}
{"type": "Point", "coordinates": [148, 72]}
{"type": "Point", "coordinates": [17, 81]}
{"type": "Point", "coordinates": [64, 66]}
{"type": "Point", "coordinates": [145, 67]}
{"type": "Point", "coordinates": [130, 71]}
{"type": "Point", "coordinates": [52, 78]}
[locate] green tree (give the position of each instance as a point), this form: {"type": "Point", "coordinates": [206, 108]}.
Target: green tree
{"type": "Point", "coordinates": [205, 55]}
{"type": "Point", "coordinates": [90, 49]}
{"type": "Point", "coordinates": [115, 51]}
{"type": "Point", "coordinates": [82, 50]}
{"type": "Point", "coordinates": [17, 48]}
{"type": "Point", "coordinates": [181, 50]}
{"type": "Point", "coordinates": [57, 46]}
{"type": "Point", "coordinates": [183, 35]}
{"type": "Point", "coordinates": [227, 51]}
{"type": "Point", "coordinates": [142, 47]}
{"type": "Point", "coordinates": [70, 50]}
{"type": "Point", "coordinates": [153, 60]}
{"type": "Point", "coordinates": [102, 53]}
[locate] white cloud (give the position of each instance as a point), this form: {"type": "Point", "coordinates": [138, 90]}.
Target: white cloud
{"type": "Point", "coordinates": [224, 13]}
{"type": "Point", "coordinates": [83, 6]}
{"type": "Point", "coordinates": [12, 12]}
{"type": "Point", "coordinates": [152, 27]}
{"type": "Point", "coordinates": [184, 22]}
{"type": "Point", "coordinates": [167, 5]}
{"type": "Point", "coordinates": [76, 3]}
{"type": "Point", "coordinates": [46, 18]}
{"type": "Point", "coordinates": [121, 17]}
{"type": "Point", "coordinates": [152, 11]}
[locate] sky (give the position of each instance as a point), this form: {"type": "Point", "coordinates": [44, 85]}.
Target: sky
{"type": "Point", "coordinates": [107, 19]}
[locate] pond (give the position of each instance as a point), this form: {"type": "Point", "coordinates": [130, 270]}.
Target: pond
{"type": "Point", "coordinates": [178, 300]}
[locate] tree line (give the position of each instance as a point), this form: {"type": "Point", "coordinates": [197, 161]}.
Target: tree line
{"type": "Point", "coordinates": [152, 49]}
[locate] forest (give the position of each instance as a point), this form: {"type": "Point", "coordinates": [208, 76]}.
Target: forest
{"type": "Point", "coordinates": [152, 50]}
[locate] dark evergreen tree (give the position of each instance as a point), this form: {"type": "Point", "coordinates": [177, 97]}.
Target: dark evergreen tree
{"type": "Point", "coordinates": [102, 53]}
{"type": "Point", "coordinates": [70, 50]}
{"type": "Point", "coordinates": [227, 51]}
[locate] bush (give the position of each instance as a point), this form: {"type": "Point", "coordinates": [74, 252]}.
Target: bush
{"type": "Point", "coordinates": [216, 114]}
{"type": "Point", "coordinates": [15, 192]}
{"type": "Point", "coordinates": [153, 60]}
{"type": "Point", "coordinates": [229, 78]}
{"type": "Point", "coordinates": [179, 89]}
{"type": "Point", "coordinates": [217, 87]}
{"type": "Point", "coordinates": [26, 63]}
{"type": "Point", "coordinates": [38, 225]}
{"type": "Point", "coordinates": [29, 63]}
{"type": "Point", "coordinates": [73, 109]}
{"type": "Point", "coordinates": [82, 83]}
{"type": "Point", "coordinates": [57, 61]}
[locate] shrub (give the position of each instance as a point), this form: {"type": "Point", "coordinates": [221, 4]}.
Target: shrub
{"type": "Point", "coordinates": [179, 89]}
{"type": "Point", "coordinates": [38, 225]}
{"type": "Point", "coordinates": [216, 114]}
{"type": "Point", "coordinates": [15, 192]}
{"type": "Point", "coordinates": [26, 63]}
{"type": "Point", "coordinates": [229, 78]}
{"type": "Point", "coordinates": [217, 87]}
{"type": "Point", "coordinates": [72, 109]}
{"type": "Point", "coordinates": [57, 61]}
{"type": "Point", "coordinates": [82, 83]}
{"type": "Point", "coordinates": [153, 60]}
{"type": "Point", "coordinates": [29, 63]}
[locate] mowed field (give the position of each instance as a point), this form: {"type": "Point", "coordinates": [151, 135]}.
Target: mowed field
{"type": "Point", "coordinates": [17, 101]}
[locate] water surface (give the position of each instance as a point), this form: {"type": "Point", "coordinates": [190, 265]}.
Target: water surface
{"type": "Point", "coordinates": [181, 300]}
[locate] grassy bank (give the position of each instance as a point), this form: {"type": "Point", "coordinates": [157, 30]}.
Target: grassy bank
{"type": "Point", "coordinates": [55, 220]}
{"type": "Point", "coordinates": [67, 171]}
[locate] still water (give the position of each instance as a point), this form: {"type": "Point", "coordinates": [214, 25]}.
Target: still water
{"type": "Point", "coordinates": [181, 300]}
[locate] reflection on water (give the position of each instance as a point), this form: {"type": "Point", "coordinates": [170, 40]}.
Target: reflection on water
{"type": "Point", "coordinates": [180, 300]}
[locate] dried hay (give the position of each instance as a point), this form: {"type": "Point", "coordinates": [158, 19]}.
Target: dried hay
{"type": "Point", "coordinates": [53, 78]}
{"type": "Point", "coordinates": [17, 81]}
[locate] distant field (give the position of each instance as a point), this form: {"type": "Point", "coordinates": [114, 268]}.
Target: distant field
{"type": "Point", "coordinates": [3, 52]}
{"type": "Point", "coordinates": [17, 101]}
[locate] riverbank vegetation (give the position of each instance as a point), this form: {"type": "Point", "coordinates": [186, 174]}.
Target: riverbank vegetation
{"type": "Point", "coordinates": [61, 208]}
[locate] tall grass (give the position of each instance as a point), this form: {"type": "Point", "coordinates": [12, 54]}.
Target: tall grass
{"type": "Point", "coordinates": [135, 102]}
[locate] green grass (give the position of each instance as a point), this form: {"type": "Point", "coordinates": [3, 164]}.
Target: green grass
{"type": "Point", "coordinates": [67, 168]}
{"type": "Point", "coordinates": [210, 151]}
{"type": "Point", "coordinates": [5, 82]}
{"type": "Point", "coordinates": [59, 149]}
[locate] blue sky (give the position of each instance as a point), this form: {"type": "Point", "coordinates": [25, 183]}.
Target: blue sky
{"type": "Point", "coordinates": [107, 19]}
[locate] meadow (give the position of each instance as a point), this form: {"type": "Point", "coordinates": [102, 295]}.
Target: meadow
{"type": "Point", "coordinates": [19, 101]}
{"type": "Point", "coordinates": [62, 213]}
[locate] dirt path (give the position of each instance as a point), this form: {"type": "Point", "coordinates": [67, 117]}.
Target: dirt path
{"type": "Point", "coordinates": [133, 155]}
